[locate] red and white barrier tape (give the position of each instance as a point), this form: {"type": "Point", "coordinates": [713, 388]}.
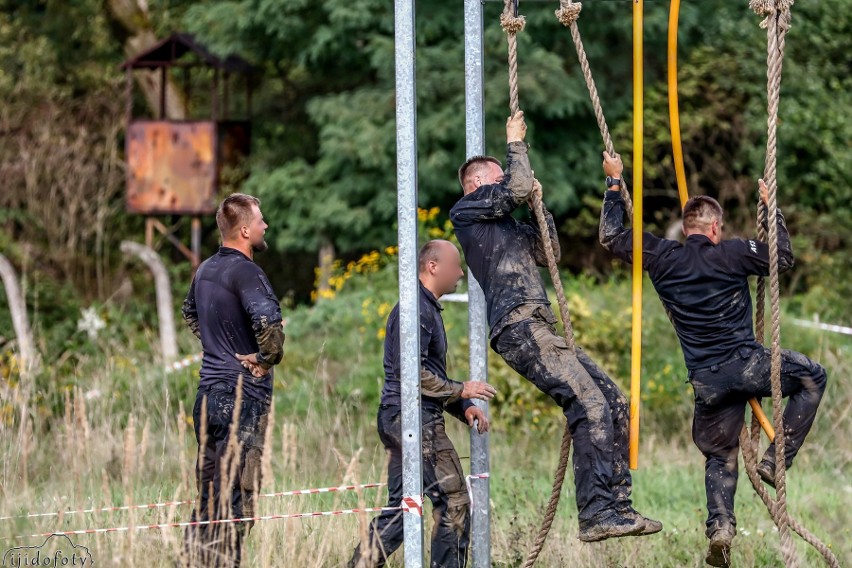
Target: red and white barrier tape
{"type": "Point", "coordinates": [184, 363]}
{"type": "Point", "coordinates": [467, 479]}
{"type": "Point", "coordinates": [315, 491]}
{"type": "Point", "coordinates": [409, 504]}
{"type": "Point", "coordinates": [413, 504]}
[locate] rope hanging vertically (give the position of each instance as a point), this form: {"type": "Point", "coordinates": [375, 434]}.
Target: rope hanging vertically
{"type": "Point", "coordinates": [568, 14]}
{"type": "Point", "coordinates": [777, 22]}
{"type": "Point", "coordinates": [512, 23]}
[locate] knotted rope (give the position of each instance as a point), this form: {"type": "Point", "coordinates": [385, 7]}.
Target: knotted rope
{"type": "Point", "coordinates": [512, 24]}
{"type": "Point", "coordinates": [568, 14]}
{"type": "Point", "coordinates": [777, 22]}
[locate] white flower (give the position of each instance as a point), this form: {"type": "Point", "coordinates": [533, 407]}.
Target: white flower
{"type": "Point", "coordinates": [91, 322]}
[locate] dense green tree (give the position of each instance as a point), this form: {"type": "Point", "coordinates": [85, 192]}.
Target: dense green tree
{"type": "Point", "coordinates": [324, 137]}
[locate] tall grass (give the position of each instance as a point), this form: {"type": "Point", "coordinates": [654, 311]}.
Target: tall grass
{"type": "Point", "coordinates": [118, 433]}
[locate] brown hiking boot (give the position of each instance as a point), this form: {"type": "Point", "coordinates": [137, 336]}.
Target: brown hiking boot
{"type": "Point", "coordinates": [719, 551]}
{"type": "Point", "coordinates": [613, 526]}
{"type": "Point", "coordinates": [651, 526]}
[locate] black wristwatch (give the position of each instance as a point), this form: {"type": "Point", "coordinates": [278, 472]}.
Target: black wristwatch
{"type": "Point", "coordinates": [611, 181]}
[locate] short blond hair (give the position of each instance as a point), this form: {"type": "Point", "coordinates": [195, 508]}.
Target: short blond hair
{"type": "Point", "coordinates": [700, 212]}
{"type": "Point", "coordinates": [234, 212]}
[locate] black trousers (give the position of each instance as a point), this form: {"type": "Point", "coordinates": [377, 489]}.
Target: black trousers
{"type": "Point", "coordinates": [721, 394]}
{"type": "Point", "coordinates": [221, 496]}
{"type": "Point", "coordinates": [597, 411]}
{"type": "Point", "coordinates": [444, 484]}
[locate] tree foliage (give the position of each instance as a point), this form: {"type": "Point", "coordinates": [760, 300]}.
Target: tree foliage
{"type": "Point", "coordinates": [324, 137]}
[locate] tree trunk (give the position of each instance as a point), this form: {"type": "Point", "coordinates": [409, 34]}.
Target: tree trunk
{"type": "Point", "coordinates": [132, 28]}
{"type": "Point", "coordinates": [165, 315]}
{"type": "Point", "coordinates": [30, 361]}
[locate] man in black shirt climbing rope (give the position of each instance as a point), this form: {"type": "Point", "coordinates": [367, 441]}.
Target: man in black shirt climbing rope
{"type": "Point", "coordinates": [231, 307]}
{"type": "Point", "coordinates": [504, 255]}
{"type": "Point", "coordinates": [703, 284]}
{"type": "Point", "coordinates": [443, 481]}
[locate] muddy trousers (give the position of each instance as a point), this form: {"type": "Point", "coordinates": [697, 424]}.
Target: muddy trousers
{"type": "Point", "coordinates": [597, 411]}
{"type": "Point", "coordinates": [721, 394]}
{"type": "Point", "coordinates": [443, 484]}
{"type": "Point", "coordinates": [219, 496]}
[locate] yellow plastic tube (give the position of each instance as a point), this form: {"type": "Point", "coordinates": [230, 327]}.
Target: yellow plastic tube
{"type": "Point", "coordinates": [638, 134]}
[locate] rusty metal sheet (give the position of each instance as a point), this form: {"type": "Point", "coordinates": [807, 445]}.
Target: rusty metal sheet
{"type": "Point", "coordinates": [172, 167]}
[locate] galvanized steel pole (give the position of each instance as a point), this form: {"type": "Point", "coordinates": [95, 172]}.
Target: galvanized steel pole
{"type": "Point", "coordinates": [409, 316]}
{"type": "Point", "coordinates": [478, 326]}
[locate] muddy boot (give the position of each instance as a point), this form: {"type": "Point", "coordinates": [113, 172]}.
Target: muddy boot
{"type": "Point", "coordinates": [651, 526]}
{"type": "Point", "coordinates": [611, 526]}
{"type": "Point", "coordinates": [766, 471]}
{"type": "Point", "coordinates": [719, 551]}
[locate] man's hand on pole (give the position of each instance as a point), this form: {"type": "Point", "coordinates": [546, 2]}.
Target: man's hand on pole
{"type": "Point", "coordinates": [475, 417]}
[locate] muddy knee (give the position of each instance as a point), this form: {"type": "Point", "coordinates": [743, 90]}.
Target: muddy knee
{"type": "Point", "coordinates": [458, 516]}
{"type": "Point", "coordinates": [452, 484]}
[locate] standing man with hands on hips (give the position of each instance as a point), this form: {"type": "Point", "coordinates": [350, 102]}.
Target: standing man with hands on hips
{"type": "Point", "coordinates": [232, 309]}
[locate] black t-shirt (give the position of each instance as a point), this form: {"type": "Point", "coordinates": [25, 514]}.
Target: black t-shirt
{"type": "Point", "coordinates": [230, 303]}
{"type": "Point", "coordinates": [433, 361]}
{"type": "Point", "coordinates": [703, 286]}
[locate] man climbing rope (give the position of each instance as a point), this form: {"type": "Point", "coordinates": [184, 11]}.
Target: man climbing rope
{"type": "Point", "coordinates": [703, 284]}
{"type": "Point", "coordinates": [503, 255]}
{"type": "Point", "coordinates": [232, 309]}
{"type": "Point", "coordinates": [439, 272]}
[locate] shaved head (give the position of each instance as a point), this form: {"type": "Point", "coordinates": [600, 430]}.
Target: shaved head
{"type": "Point", "coordinates": [439, 263]}
{"type": "Point", "coordinates": [433, 252]}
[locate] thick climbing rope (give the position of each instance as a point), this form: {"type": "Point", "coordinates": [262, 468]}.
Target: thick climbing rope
{"type": "Point", "coordinates": [512, 23]}
{"type": "Point", "coordinates": [777, 22]}
{"type": "Point", "coordinates": [568, 14]}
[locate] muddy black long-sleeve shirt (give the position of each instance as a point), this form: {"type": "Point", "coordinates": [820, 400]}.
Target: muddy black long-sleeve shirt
{"type": "Point", "coordinates": [503, 253]}
{"type": "Point", "coordinates": [438, 392]}
{"type": "Point", "coordinates": [704, 286]}
{"type": "Point", "coordinates": [231, 307]}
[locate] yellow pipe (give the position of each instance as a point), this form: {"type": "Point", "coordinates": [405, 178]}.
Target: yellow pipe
{"type": "Point", "coordinates": [680, 170]}
{"type": "Point", "coordinates": [674, 114]}
{"type": "Point", "coordinates": [638, 133]}
{"type": "Point", "coordinates": [762, 419]}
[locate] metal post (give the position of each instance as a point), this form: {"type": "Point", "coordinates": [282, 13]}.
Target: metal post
{"type": "Point", "coordinates": [478, 326]}
{"type": "Point", "coordinates": [409, 291]}
{"type": "Point", "coordinates": [163, 81]}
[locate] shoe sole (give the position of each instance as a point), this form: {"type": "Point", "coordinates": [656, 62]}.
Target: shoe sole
{"type": "Point", "coordinates": [650, 530]}
{"type": "Point", "coordinates": [719, 555]}
{"type": "Point", "coordinates": [635, 532]}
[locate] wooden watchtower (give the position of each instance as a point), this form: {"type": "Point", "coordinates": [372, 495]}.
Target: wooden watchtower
{"type": "Point", "coordinates": [176, 160]}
